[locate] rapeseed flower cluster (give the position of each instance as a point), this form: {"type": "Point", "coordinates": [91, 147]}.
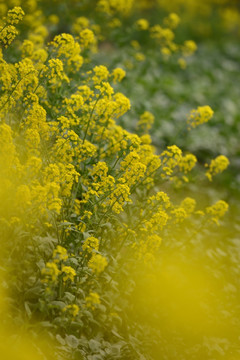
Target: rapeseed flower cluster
{"type": "Point", "coordinates": [72, 310]}
{"type": "Point", "coordinates": [97, 263]}
{"type": "Point", "coordinates": [200, 116]}
{"type": "Point", "coordinates": [216, 166]}
{"type": "Point", "coordinates": [8, 31]}
{"type": "Point", "coordinates": [92, 300]}
{"type": "Point", "coordinates": [56, 267]}
{"type": "Point", "coordinates": [217, 211]}
{"type": "Point", "coordinates": [91, 244]}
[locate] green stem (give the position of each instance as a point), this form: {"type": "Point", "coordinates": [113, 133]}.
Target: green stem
{"type": "Point", "coordinates": [90, 117]}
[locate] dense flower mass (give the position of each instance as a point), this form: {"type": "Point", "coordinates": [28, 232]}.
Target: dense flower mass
{"type": "Point", "coordinates": [82, 197]}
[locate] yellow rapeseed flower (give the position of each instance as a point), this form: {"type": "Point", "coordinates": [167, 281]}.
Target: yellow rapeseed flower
{"type": "Point", "coordinates": [200, 116]}
{"type": "Point", "coordinates": [142, 24]}
{"type": "Point", "coordinates": [90, 244]}
{"type": "Point", "coordinates": [216, 166]}
{"type": "Point", "coordinates": [217, 210]}
{"type": "Point", "coordinates": [92, 300]}
{"type": "Point", "coordinates": [97, 263]}
{"type": "Point", "coordinates": [69, 272]}
{"type": "Point", "coordinates": [118, 74]}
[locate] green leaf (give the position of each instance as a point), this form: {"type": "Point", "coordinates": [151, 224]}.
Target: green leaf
{"type": "Point", "coordinates": [59, 304]}
{"type": "Point", "coordinates": [28, 310]}
{"type": "Point", "coordinates": [60, 339]}
{"type": "Point", "coordinates": [69, 296]}
{"type": "Point", "coordinates": [72, 341]}
{"type": "Point", "coordinates": [94, 345]}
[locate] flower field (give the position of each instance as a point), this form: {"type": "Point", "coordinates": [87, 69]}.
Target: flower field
{"type": "Point", "coordinates": [119, 170]}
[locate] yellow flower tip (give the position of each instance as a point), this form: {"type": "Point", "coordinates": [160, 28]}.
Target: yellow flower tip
{"type": "Point", "coordinates": [145, 122]}
{"type": "Point", "coordinates": [90, 244]}
{"type": "Point", "coordinates": [97, 263]}
{"type": "Point", "coordinates": [60, 254]}
{"type": "Point", "coordinates": [146, 139]}
{"type": "Point", "coordinates": [53, 19]}
{"type": "Point", "coordinates": [217, 210]}
{"type": "Point", "coordinates": [189, 47]}
{"type": "Point", "coordinates": [72, 310]}
{"type": "Point", "coordinates": [217, 166]}
{"type": "Point", "coordinates": [7, 35]}
{"type": "Point", "coordinates": [187, 163]}
{"type": "Point", "coordinates": [182, 63]}
{"type": "Point", "coordinates": [140, 56]}
{"type": "Point", "coordinates": [51, 272]}
{"type": "Point", "coordinates": [101, 73]}
{"type": "Point", "coordinates": [172, 20]}
{"type": "Point", "coordinates": [142, 24]}
{"type": "Point", "coordinates": [15, 15]}
{"type": "Point", "coordinates": [166, 52]}
{"type": "Point", "coordinates": [87, 37]}
{"type": "Point", "coordinates": [135, 44]}
{"type": "Point", "coordinates": [200, 116]}
{"type": "Point", "coordinates": [92, 300]}
{"type": "Point", "coordinates": [69, 272]}
{"type": "Point", "coordinates": [118, 75]}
